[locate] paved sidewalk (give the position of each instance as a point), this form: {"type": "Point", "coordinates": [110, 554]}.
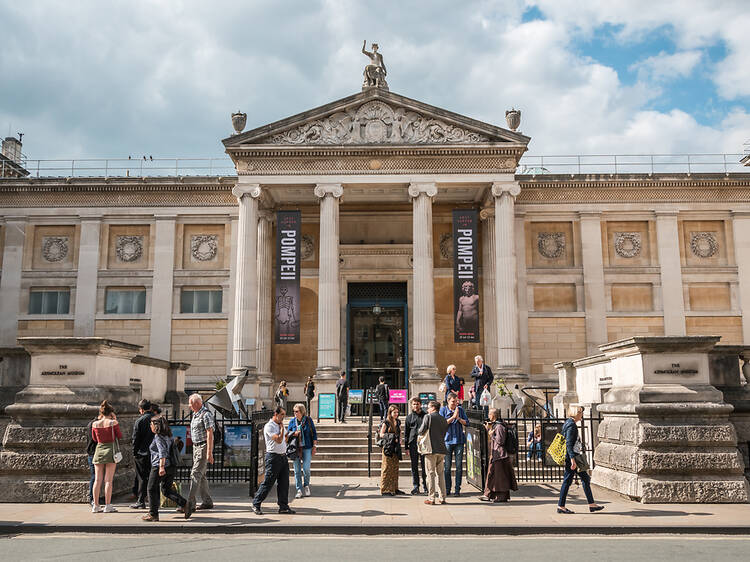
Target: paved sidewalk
{"type": "Point", "coordinates": [357, 508]}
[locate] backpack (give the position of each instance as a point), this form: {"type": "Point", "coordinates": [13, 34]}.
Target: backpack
{"type": "Point", "coordinates": [511, 439]}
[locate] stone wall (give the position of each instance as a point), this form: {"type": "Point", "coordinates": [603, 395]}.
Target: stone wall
{"type": "Point", "coordinates": [728, 327]}
{"type": "Point", "coordinates": [47, 327]}
{"type": "Point", "coordinates": [554, 339]}
{"type": "Point", "coordinates": [626, 326]}
{"type": "Point", "coordinates": [203, 344]}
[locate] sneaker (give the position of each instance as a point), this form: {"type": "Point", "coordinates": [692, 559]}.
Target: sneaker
{"type": "Point", "coordinates": [307, 490]}
{"type": "Point", "coordinates": [109, 508]}
{"type": "Point", "coordinates": [287, 511]}
{"type": "Point", "coordinates": [203, 507]}
{"type": "Point", "coordinates": [256, 510]}
{"type": "Point", "coordinates": [299, 494]}
{"type": "Point", "coordinates": [96, 508]}
{"type": "Point", "coordinates": [457, 495]}
{"type": "Point", "coordinates": [138, 506]}
{"type": "Point", "coordinates": [415, 491]}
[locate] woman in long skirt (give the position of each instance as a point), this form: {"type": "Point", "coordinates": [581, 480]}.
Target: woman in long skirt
{"type": "Point", "coordinates": [390, 432]}
{"type": "Point", "coordinates": [501, 478]}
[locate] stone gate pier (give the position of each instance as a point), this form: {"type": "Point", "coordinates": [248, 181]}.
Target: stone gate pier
{"type": "Point", "coordinates": [666, 434]}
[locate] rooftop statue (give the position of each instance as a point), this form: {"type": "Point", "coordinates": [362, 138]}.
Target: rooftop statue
{"type": "Point", "coordinates": [375, 71]}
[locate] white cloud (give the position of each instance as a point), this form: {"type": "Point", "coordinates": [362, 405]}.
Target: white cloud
{"type": "Point", "coordinates": [664, 66]}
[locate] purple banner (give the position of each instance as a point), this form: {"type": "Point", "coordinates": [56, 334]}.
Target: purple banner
{"type": "Point", "coordinates": [465, 276]}
{"type": "Point", "coordinates": [286, 307]}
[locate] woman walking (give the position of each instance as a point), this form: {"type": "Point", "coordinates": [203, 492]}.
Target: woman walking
{"type": "Point", "coordinates": [281, 395]}
{"type": "Point", "coordinates": [105, 431]}
{"type": "Point", "coordinates": [302, 427]}
{"type": "Point", "coordinates": [501, 478]}
{"type": "Point", "coordinates": [390, 434]}
{"type": "Point", "coordinates": [575, 461]}
{"type": "Point", "coordinates": [162, 471]}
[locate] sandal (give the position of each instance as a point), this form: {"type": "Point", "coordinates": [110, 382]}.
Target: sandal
{"type": "Point", "coordinates": [149, 517]}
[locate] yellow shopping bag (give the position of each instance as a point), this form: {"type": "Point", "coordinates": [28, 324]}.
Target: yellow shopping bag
{"type": "Point", "coordinates": [557, 449]}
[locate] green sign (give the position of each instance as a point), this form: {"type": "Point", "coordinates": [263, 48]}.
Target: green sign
{"type": "Point", "coordinates": [327, 406]}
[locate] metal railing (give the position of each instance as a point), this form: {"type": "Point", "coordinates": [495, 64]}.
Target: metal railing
{"type": "Point", "coordinates": [129, 167]}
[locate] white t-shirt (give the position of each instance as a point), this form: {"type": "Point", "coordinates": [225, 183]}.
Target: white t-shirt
{"type": "Point", "coordinates": [269, 431]}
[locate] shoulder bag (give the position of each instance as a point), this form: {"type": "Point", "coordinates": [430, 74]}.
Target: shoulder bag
{"type": "Point", "coordinates": [117, 452]}
{"type": "Point", "coordinates": [557, 449]}
{"type": "Point", "coordinates": [424, 445]}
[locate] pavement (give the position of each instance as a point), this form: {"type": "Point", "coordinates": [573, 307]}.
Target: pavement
{"type": "Point", "coordinates": [357, 508]}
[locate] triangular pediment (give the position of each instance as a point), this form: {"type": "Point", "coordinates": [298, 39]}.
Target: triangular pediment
{"type": "Point", "coordinates": [376, 117]}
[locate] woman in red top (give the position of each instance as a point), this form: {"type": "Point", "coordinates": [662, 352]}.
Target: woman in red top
{"type": "Point", "coordinates": [461, 391]}
{"type": "Point", "coordinates": [105, 431]}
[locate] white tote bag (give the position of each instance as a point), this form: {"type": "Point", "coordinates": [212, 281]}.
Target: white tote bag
{"type": "Point", "coordinates": [485, 398]}
{"type": "Point", "coordinates": [424, 445]}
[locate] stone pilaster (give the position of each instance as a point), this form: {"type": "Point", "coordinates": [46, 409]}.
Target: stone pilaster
{"type": "Point", "coordinates": [265, 302]}
{"type": "Point", "coordinates": [567, 394]}
{"type": "Point", "coordinates": [668, 243]}
{"type": "Point", "coordinates": [329, 313]}
{"type": "Point", "coordinates": [244, 352]}
{"type": "Point", "coordinates": [160, 343]}
{"type": "Point", "coordinates": [741, 230]}
{"type": "Point", "coordinates": [488, 286]}
{"type": "Point", "coordinates": [10, 281]}
{"type": "Point", "coordinates": [86, 281]}
{"type": "Point", "coordinates": [423, 307]}
{"type": "Point", "coordinates": [593, 281]}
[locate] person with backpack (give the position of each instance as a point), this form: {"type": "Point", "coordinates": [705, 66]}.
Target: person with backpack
{"type": "Point", "coordinates": [164, 460]}
{"type": "Point", "coordinates": [501, 478]}
{"type": "Point", "coordinates": [382, 393]}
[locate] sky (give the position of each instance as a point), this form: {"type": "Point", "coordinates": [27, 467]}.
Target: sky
{"type": "Point", "coordinates": [109, 79]}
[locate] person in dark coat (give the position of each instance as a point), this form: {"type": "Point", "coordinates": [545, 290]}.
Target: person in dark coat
{"type": "Point", "coordinates": [436, 424]}
{"type": "Point", "coordinates": [573, 450]}
{"type": "Point", "coordinates": [142, 438]}
{"type": "Point", "coordinates": [501, 478]}
{"type": "Point", "coordinates": [483, 377]}
{"type": "Point", "coordinates": [413, 423]}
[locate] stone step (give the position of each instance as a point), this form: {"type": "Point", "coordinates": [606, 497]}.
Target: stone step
{"type": "Point", "coordinates": [350, 472]}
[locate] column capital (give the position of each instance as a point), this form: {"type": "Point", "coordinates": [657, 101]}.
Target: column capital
{"type": "Point", "coordinates": [487, 213]}
{"type": "Point", "coordinates": [266, 214]}
{"type": "Point", "coordinates": [501, 187]}
{"type": "Point", "coordinates": [417, 188]}
{"type": "Point", "coordinates": [251, 189]}
{"type": "Point", "coordinates": [334, 189]}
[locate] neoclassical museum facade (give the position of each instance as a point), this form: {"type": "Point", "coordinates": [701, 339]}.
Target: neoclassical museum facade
{"type": "Point", "coordinates": [188, 267]}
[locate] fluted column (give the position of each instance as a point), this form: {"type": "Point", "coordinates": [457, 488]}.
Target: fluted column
{"type": "Point", "coordinates": [265, 296]}
{"type": "Point", "coordinates": [244, 352]}
{"type": "Point", "coordinates": [329, 312]}
{"type": "Point", "coordinates": [488, 286]}
{"type": "Point", "coordinates": [505, 276]}
{"type": "Point", "coordinates": [423, 307]}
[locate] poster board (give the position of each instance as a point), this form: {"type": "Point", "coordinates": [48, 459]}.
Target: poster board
{"type": "Point", "coordinates": [183, 432]}
{"type": "Point", "coordinates": [398, 396]}
{"type": "Point", "coordinates": [239, 445]}
{"type": "Point", "coordinates": [549, 430]}
{"type": "Point", "coordinates": [356, 396]}
{"type": "Point", "coordinates": [327, 406]}
{"type": "Point", "coordinates": [474, 467]}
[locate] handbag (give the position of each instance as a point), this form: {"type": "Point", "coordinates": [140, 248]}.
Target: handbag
{"type": "Point", "coordinates": [164, 501]}
{"type": "Point", "coordinates": [556, 449]}
{"type": "Point", "coordinates": [117, 452]}
{"type": "Point", "coordinates": [442, 388]}
{"type": "Point", "coordinates": [424, 445]}
{"type": "Point", "coordinates": [292, 447]}
{"type": "Point", "coordinates": [582, 463]}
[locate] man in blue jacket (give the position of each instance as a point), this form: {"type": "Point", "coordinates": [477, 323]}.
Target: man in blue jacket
{"type": "Point", "coordinates": [454, 441]}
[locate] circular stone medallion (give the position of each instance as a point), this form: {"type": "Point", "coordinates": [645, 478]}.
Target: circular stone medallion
{"type": "Point", "coordinates": [54, 248]}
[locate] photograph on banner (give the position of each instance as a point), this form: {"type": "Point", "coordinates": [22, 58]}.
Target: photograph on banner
{"type": "Point", "coordinates": [182, 432]}
{"type": "Point", "coordinates": [474, 457]}
{"type": "Point", "coordinates": [397, 396]}
{"type": "Point", "coordinates": [327, 406]}
{"type": "Point", "coordinates": [239, 446]}
{"type": "Point", "coordinates": [356, 396]}
{"type": "Point", "coordinates": [286, 310]}
{"type": "Point", "coordinates": [465, 276]}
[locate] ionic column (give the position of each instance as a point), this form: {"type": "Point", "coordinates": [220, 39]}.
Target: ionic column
{"type": "Point", "coordinates": [329, 313]}
{"type": "Point", "coordinates": [424, 291]}
{"type": "Point", "coordinates": [488, 286]}
{"type": "Point", "coordinates": [593, 281]}
{"type": "Point", "coordinates": [265, 295]}
{"type": "Point", "coordinates": [10, 281]}
{"type": "Point", "coordinates": [505, 276]}
{"type": "Point", "coordinates": [86, 281]}
{"type": "Point", "coordinates": [668, 244]}
{"type": "Point", "coordinates": [244, 352]}
{"type": "Point", "coordinates": [160, 342]}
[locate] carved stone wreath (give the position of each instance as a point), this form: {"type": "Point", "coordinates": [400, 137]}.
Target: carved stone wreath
{"type": "Point", "coordinates": [204, 247]}
{"type": "Point", "coordinates": [704, 244]}
{"type": "Point", "coordinates": [129, 248]}
{"type": "Point", "coordinates": [551, 245]}
{"type": "Point", "coordinates": [446, 246]}
{"type": "Point", "coordinates": [628, 244]}
{"type": "Point", "coordinates": [54, 248]}
{"type": "Point", "coordinates": [307, 247]}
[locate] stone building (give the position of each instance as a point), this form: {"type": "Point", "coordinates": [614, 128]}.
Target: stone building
{"type": "Point", "coordinates": [184, 265]}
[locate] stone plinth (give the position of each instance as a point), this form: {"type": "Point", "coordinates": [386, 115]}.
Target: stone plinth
{"type": "Point", "coordinates": [44, 450]}
{"type": "Point", "coordinates": [666, 436]}
{"type": "Point", "coordinates": [567, 387]}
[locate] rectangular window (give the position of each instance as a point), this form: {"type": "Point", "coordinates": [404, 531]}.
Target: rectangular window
{"type": "Point", "coordinates": [125, 301]}
{"type": "Point", "coordinates": [49, 301]}
{"type": "Point", "coordinates": [198, 301]}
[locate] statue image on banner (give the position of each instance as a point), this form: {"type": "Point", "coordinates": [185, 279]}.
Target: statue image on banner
{"type": "Point", "coordinates": [467, 317]}
{"type": "Point", "coordinates": [284, 312]}
{"type": "Point", "coordinates": [375, 71]}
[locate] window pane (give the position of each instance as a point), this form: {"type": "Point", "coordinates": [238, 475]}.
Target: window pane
{"type": "Point", "coordinates": [186, 302]}
{"type": "Point", "coordinates": [139, 302]}
{"type": "Point", "coordinates": [35, 302]}
{"type": "Point", "coordinates": [202, 301]}
{"type": "Point", "coordinates": [49, 302]}
{"type": "Point", "coordinates": [215, 301]}
{"type": "Point", "coordinates": [125, 302]}
{"type": "Point", "coordinates": [63, 302]}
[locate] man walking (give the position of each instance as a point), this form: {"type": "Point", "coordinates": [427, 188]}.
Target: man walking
{"type": "Point", "coordinates": [454, 441]}
{"type": "Point", "coordinates": [411, 429]}
{"type": "Point", "coordinates": [202, 434]}
{"type": "Point", "coordinates": [342, 393]}
{"type": "Point", "coordinates": [437, 426]}
{"type": "Point", "coordinates": [381, 393]}
{"type": "Point", "coordinates": [276, 463]}
{"type": "Point", "coordinates": [142, 438]}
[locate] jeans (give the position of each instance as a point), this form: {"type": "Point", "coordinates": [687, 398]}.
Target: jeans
{"type": "Point", "coordinates": [568, 480]}
{"type": "Point", "coordinates": [165, 483]}
{"type": "Point", "coordinates": [198, 482]}
{"type": "Point", "coordinates": [302, 467]}
{"type": "Point", "coordinates": [277, 470]}
{"type": "Point", "coordinates": [143, 473]}
{"type": "Point", "coordinates": [93, 477]}
{"type": "Point", "coordinates": [456, 451]}
{"type": "Point", "coordinates": [342, 410]}
{"type": "Point", "coordinates": [383, 409]}
{"type": "Point", "coordinates": [535, 448]}
{"type": "Point", "coordinates": [416, 460]}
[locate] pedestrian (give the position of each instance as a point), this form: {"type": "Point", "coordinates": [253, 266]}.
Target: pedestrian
{"type": "Point", "coordinates": [382, 393]}
{"type": "Point", "coordinates": [534, 443]}
{"type": "Point", "coordinates": [163, 469]}
{"type": "Point", "coordinates": [202, 434]}
{"type": "Point", "coordinates": [451, 382]}
{"type": "Point", "coordinates": [276, 464]}
{"type": "Point", "coordinates": [90, 450]}
{"type": "Point", "coordinates": [454, 441]}
{"type": "Point", "coordinates": [461, 396]}
{"type": "Point", "coordinates": [302, 427]}
{"type": "Point", "coordinates": [483, 377]}
{"type": "Point", "coordinates": [435, 423]}
{"type": "Point", "coordinates": [309, 391]}
{"type": "Point", "coordinates": [342, 394]}
{"type": "Point", "coordinates": [282, 393]}
{"type": "Point", "coordinates": [575, 461]}
{"type": "Point", "coordinates": [501, 478]}
{"type": "Point", "coordinates": [411, 429]}
{"type": "Point", "coordinates": [390, 436]}
{"type": "Point", "coordinates": [142, 438]}
{"type": "Point", "coordinates": [106, 432]}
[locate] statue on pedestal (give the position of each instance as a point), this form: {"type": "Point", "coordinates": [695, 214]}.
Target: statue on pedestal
{"type": "Point", "coordinates": [375, 71]}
